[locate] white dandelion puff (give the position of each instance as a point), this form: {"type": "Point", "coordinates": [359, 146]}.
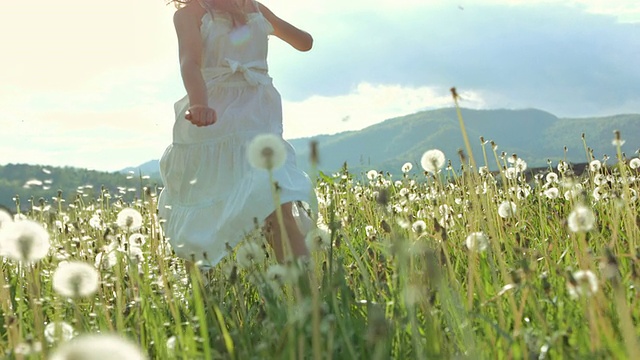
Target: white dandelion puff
{"type": "Point", "coordinates": [432, 160]}
{"type": "Point", "coordinates": [58, 331]}
{"type": "Point", "coordinates": [551, 178]}
{"type": "Point", "coordinates": [581, 219]}
{"type": "Point", "coordinates": [278, 275]}
{"type": "Point", "coordinates": [98, 347]}
{"type": "Point", "coordinates": [634, 163]}
{"type": "Point", "coordinates": [595, 166]}
{"type": "Point", "coordinates": [372, 174]}
{"type": "Point", "coordinates": [617, 142]}
{"type": "Point", "coordinates": [563, 167]}
{"type": "Point", "coordinates": [419, 226]}
{"type": "Point", "coordinates": [5, 218]}
{"type": "Point", "coordinates": [75, 279]}
{"type": "Point", "coordinates": [511, 173]}
{"type": "Point", "coordinates": [552, 193]}
{"type": "Point", "coordinates": [129, 219]}
{"type": "Point", "coordinates": [407, 167]}
{"type": "Point", "coordinates": [583, 283]}
{"type": "Point", "coordinates": [507, 209]}
{"type": "Point", "coordinates": [370, 231]}
{"type": "Point", "coordinates": [477, 241]}
{"type": "Point", "coordinates": [267, 151]}
{"type": "Point", "coordinates": [249, 254]}
{"type": "Point", "coordinates": [137, 239]}
{"type": "Point", "coordinates": [24, 240]}
{"type": "Point", "coordinates": [318, 239]}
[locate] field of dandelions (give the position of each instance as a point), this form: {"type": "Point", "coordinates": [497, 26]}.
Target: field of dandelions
{"type": "Point", "coordinates": [439, 263]}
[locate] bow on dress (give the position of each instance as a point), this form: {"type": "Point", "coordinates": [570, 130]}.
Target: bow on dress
{"type": "Point", "coordinates": [254, 72]}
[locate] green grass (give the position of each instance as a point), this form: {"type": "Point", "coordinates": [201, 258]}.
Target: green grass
{"type": "Point", "coordinates": [383, 290]}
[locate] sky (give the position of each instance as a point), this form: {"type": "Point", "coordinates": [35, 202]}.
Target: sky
{"type": "Point", "coordinates": [92, 84]}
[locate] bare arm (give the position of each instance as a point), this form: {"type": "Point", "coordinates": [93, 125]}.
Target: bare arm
{"type": "Point", "coordinates": [186, 22]}
{"type": "Point", "coordinates": [299, 39]}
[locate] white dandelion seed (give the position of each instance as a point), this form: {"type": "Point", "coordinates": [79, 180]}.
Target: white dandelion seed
{"type": "Point", "coordinates": [58, 331]}
{"type": "Point", "coordinates": [279, 275]}
{"type": "Point", "coordinates": [507, 209]}
{"type": "Point", "coordinates": [370, 230]}
{"type": "Point", "coordinates": [318, 239]}
{"type": "Point", "coordinates": [581, 219]}
{"type": "Point", "coordinates": [129, 219]}
{"type": "Point", "coordinates": [267, 151]}
{"type": "Point", "coordinates": [419, 226]}
{"type": "Point", "coordinates": [586, 284]}
{"type": "Point", "coordinates": [551, 178]}
{"type": "Point", "coordinates": [249, 254]}
{"type": "Point", "coordinates": [477, 241]}
{"type": "Point", "coordinates": [407, 167]}
{"type": "Point", "coordinates": [617, 142]}
{"type": "Point", "coordinates": [634, 163]}
{"type": "Point", "coordinates": [595, 166]}
{"type": "Point", "coordinates": [432, 160]}
{"type": "Point", "coordinates": [96, 222]}
{"type": "Point", "coordinates": [599, 179]}
{"type": "Point", "coordinates": [137, 239]}
{"type": "Point", "coordinates": [552, 193]}
{"type": "Point", "coordinates": [563, 167]}
{"type": "Point", "coordinates": [372, 174]}
{"type": "Point", "coordinates": [24, 240]}
{"type": "Point", "coordinates": [5, 218]}
{"type": "Point", "coordinates": [511, 173]}
{"type": "Point", "coordinates": [98, 347]}
{"type": "Point", "coordinates": [75, 279]}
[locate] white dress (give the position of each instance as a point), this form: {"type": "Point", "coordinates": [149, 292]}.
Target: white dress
{"type": "Point", "coordinates": [212, 197]}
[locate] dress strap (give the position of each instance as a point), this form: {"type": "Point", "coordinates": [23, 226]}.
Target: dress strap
{"type": "Point", "coordinates": [206, 6]}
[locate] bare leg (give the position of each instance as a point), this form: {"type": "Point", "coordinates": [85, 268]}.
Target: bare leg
{"type": "Point", "coordinates": [275, 236]}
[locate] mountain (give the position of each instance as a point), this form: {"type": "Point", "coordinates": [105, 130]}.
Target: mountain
{"type": "Point", "coordinates": [35, 184]}
{"type": "Point", "coordinates": [534, 135]}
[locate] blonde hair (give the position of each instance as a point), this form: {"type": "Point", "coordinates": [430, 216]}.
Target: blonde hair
{"type": "Point", "coordinates": [232, 8]}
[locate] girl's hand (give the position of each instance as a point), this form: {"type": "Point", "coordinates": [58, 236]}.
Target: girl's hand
{"type": "Point", "coordinates": [200, 115]}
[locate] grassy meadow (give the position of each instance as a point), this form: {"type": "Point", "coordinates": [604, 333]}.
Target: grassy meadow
{"type": "Point", "coordinates": [440, 263]}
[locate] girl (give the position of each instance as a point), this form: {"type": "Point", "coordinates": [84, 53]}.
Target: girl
{"type": "Point", "coordinates": [212, 197]}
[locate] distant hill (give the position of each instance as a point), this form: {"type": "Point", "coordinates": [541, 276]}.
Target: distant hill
{"type": "Point", "coordinates": [533, 135]}
{"type": "Point", "coordinates": [36, 183]}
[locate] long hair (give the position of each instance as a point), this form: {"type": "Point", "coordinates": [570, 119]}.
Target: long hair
{"type": "Point", "coordinates": [230, 7]}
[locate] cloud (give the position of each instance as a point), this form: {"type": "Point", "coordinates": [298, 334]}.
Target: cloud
{"type": "Point", "coordinates": [546, 55]}
{"type": "Point", "coordinates": [365, 105]}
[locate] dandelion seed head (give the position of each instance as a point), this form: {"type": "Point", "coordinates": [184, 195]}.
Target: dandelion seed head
{"type": "Point", "coordinates": [551, 178]}
{"type": "Point", "coordinates": [58, 331]}
{"type": "Point", "coordinates": [129, 219]}
{"type": "Point", "coordinates": [507, 209]}
{"type": "Point", "coordinates": [432, 160]}
{"type": "Point", "coordinates": [407, 167]}
{"type": "Point", "coordinates": [595, 166]}
{"type": "Point", "coordinates": [581, 219]}
{"type": "Point", "coordinates": [5, 218]}
{"type": "Point", "coordinates": [419, 226]}
{"type": "Point", "coordinates": [586, 284]}
{"type": "Point", "coordinates": [552, 193]}
{"type": "Point", "coordinates": [249, 254]}
{"type": "Point", "coordinates": [267, 151]}
{"type": "Point", "coordinates": [477, 241]}
{"type": "Point", "coordinates": [318, 239]}
{"type": "Point", "coordinates": [24, 240]}
{"type": "Point", "coordinates": [98, 347]}
{"type": "Point", "coordinates": [634, 163]}
{"type": "Point", "coordinates": [563, 167]}
{"type": "Point", "coordinates": [75, 279]}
